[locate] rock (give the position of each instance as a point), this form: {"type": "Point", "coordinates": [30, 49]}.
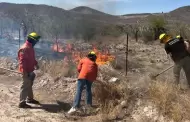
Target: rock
{"type": "Point", "coordinates": [130, 50]}
{"type": "Point", "coordinates": [118, 112]}
{"type": "Point", "coordinates": [68, 79]}
{"type": "Point", "coordinates": [121, 114]}
{"type": "Point", "coordinates": [139, 102]}
{"type": "Point", "coordinates": [120, 47]}
{"type": "Point", "coordinates": [98, 109]}
{"type": "Point", "coordinates": [135, 70]}
{"type": "Point", "coordinates": [113, 80]}
{"type": "Point", "coordinates": [152, 61]}
{"type": "Point", "coordinates": [158, 60]}
{"type": "Point", "coordinates": [123, 103]}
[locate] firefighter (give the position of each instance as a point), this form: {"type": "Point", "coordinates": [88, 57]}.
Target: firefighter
{"type": "Point", "coordinates": [178, 49]}
{"type": "Point", "coordinates": [27, 64]}
{"type": "Point", "coordinates": [88, 70]}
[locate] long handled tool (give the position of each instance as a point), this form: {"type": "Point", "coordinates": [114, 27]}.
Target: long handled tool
{"type": "Point", "coordinates": [155, 76]}
{"type": "Point", "coordinates": [10, 70]}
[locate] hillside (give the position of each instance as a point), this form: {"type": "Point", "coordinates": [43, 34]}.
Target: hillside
{"type": "Point", "coordinates": [82, 12]}
{"type": "Point", "coordinates": [55, 21]}
{"type": "Point", "coordinates": [52, 22]}
{"type": "Point", "coordinates": [87, 10]}
{"type": "Point", "coordinates": [181, 14]}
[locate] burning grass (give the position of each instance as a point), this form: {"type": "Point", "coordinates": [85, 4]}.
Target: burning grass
{"type": "Point", "coordinates": [170, 100]}
{"type": "Point", "coordinates": [74, 54]}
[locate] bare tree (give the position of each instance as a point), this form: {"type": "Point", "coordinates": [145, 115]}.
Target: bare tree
{"type": "Point", "coordinates": [135, 30]}
{"type": "Point", "coordinates": [55, 30]}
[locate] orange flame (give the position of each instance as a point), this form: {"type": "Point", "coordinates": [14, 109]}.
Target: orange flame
{"type": "Point", "coordinates": [57, 48]}
{"type": "Point", "coordinates": [103, 57]}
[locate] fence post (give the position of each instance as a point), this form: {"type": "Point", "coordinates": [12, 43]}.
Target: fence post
{"type": "Point", "coordinates": [127, 46]}
{"type": "Point", "coordinates": [19, 38]}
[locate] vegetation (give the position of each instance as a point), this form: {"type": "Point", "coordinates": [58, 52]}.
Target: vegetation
{"type": "Point", "coordinates": [158, 25]}
{"type": "Point", "coordinates": [55, 23]}
{"type": "Point", "coordinates": [58, 69]}
{"type": "Point", "coordinates": [170, 101]}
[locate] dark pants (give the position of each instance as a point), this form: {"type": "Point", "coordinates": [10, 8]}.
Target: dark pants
{"type": "Point", "coordinates": [26, 87]}
{"type": "Point", "coordinates": [185, 65]}
{"type": "Point", "coordinates": [80, 86]}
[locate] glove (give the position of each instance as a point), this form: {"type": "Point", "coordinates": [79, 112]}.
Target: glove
{"type": "Point", "coordinates": [37, 67]}
{"type": "Point", "coordinates": [187, 46]}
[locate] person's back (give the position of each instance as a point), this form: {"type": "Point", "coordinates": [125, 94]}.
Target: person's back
{"type": "Point", "coordinates": [87, 69]}
{"type": "Point", "coordinates": [177, 49]}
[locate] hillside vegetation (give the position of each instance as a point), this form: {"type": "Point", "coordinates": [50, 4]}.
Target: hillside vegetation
{"type": "Point", "coordinates": [80, 23]}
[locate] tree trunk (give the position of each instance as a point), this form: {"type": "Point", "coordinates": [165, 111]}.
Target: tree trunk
{"type": "Point", "coordinates": [19, 38]}
{"type": "Point", "coordinates": [136, 36]}
{"type": "Point", "coordinates": [1, 31]}
{"type": "Point", "coordinates": [127, 45]}
{"type": "Point", "coordinates": [56, 41]}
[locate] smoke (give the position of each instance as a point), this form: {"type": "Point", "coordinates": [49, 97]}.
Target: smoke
{"type": "Point", "coordinates": [108, 6]}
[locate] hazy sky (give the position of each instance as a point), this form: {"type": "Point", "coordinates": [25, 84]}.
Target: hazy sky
{"type": "Point", "coordinates": [114, 6]}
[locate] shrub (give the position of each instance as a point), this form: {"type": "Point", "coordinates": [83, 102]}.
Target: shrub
{"type": "Point", "coordinates": [170, 101]}
{"type": "Point", "coordinates": [148, 35]}
{"type": "Point", "coordinates": [109, 96]}
{"type": "Point", "coordinates": [180, 29]}
{"type": "Point", "coordinates": [157, 24]}
{"type": "Point", "coordinates": [58, 68]}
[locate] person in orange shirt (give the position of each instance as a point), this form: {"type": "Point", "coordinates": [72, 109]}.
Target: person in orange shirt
{"type": "Point", "coordinates": [27, 64]}
{"type": "Point", "coordinates": [88, 70]}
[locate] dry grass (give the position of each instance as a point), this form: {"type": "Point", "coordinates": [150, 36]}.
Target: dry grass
{"type": "Point", "coordinates": [170, 100]}
{"type": "Point", "coordinates": [58, 69]}
{"type": "Point", "coordinates": [109, 97]}
{"type": "Point", "coordinates": [9, 64]}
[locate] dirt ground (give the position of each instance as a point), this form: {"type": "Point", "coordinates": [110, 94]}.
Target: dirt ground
{"type": "Point", "coordinates": [51, 109]}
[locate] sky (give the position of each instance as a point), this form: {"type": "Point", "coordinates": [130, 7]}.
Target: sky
{"type": "Point", "coordinates": [114, 7]}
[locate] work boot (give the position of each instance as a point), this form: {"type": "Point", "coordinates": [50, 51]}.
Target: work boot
{"type": "Point", "coordinates": [33, 101]}
{"type": "Point", "coordinates": [24, 105]}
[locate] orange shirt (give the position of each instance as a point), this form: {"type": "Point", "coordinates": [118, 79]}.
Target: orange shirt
{"type": "Point", "coordinates": [87, 69]}
{"type": "Point", "coordinates": [26, 58]}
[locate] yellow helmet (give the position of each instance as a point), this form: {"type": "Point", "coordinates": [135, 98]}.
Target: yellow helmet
{"type": "Point", "coordinates": [34, 36]}
{"type": "Point", "coordinates": [178, 36]}
{"type": "Point", "coordinates": [161, 37]}
{"type": "Point", "coordinates": [92, 53]}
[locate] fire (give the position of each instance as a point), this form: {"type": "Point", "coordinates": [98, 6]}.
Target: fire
{"type": "Point", "coordinates": [57, 48]}
{"type": "Point", "coordinates": [103, 57]}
